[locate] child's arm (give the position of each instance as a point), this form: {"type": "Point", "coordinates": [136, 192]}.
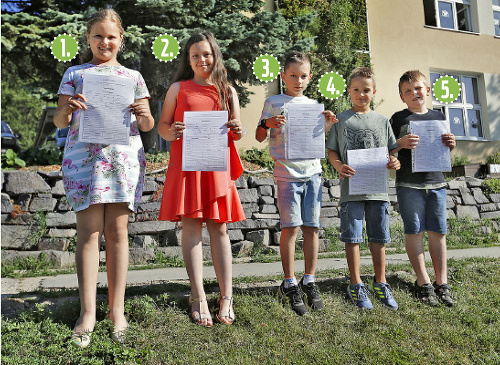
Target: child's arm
{"type": "Point", "coordinates": [145, 120]}
{"type": "Point", "coordinates": [343, 169]}
{"type": "Point", "coordinates": [330, 119]}
{"type": "Point", "coordinates": [409, 141]}
{"type": "Point", "coordinates": [274, 122]}
{"type": "Point", "coordinates": [66, 106]}
{"type": "Point", "coordinates": [393, 163]}
{"type": "Point", "coordinates": [449, 140]}
{"type": "Point", "coordinates": [234, 125]}
{"type": "Point", "coordinates": [167, 128]}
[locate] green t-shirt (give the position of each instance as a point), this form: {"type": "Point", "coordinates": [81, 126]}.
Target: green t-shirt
{"type": "Point", "coordinates": [358, 131]}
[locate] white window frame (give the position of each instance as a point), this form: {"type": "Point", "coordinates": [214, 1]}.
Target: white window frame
{"type": "Point", "coordinates": [463, 104]}
{"type": "Point", "coordinates": [455, 13]}
{"type": "Point", "coordinates": [496, 9]}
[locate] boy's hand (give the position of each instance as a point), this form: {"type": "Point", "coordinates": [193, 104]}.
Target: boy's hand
{"type": "Point", "coordinates": [276, 122]}
{"type": "Point", "coordinates": [409, 141]}
{"type": "Point", "coordinates": [449, 140]}
{"type": "Point", "coordinates": [346, 171]}
{"type": "Point", "coordinates": [330, 119]}
{"type": "Point", "coordinates": [393, 163]}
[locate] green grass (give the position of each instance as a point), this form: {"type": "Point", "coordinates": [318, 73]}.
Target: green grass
{"type": "Point", "coordinates": [267, 333]}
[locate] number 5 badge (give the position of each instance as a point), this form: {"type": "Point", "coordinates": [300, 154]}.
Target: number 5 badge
{"type": "Point", "coordinates": [446, 89]}
{"type": "Point", "coordinates": [165, 47]}
{"type": "Point", "coordinates": [266, 68]}
{"type": "Point", "coordinates": [331, 85]}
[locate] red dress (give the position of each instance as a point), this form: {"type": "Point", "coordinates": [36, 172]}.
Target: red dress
{"type": "Point", "coordinates": [200, 194]}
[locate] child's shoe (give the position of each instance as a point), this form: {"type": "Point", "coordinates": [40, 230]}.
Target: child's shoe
{"type": "Point", "coordinates": [384, 294]}
{"type": "Point", "coordinates": [443, 293]}
{"type": "Point", "coordinates": [294, 297]}
{"type": "Point", "coordinates": [426, 294]}
{"type": "Point", "coordinates": [359, 296]}
{"type": "Point", "coordinates": [311, 292]}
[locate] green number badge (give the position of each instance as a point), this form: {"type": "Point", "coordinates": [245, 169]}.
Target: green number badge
{"type": "Point", "coordinates": [165, 47]}
{"type": "Point", "coordinates": [446, 89]}
{"type": "Point", "coordinates": [266, 67]}
{"type": "Point", "coordinates": [331, 85]}
{"type": "Point", "coordinates": [64, 47]}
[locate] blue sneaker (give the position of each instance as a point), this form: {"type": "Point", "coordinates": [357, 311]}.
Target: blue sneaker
{"type": "Point", "coordinates": [359, 296]}
{"type": "Point", "coordinates": [384, 294]}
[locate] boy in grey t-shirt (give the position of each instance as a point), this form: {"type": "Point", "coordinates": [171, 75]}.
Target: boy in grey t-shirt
{"type": "Point", "coordinates": [361, 128]}
{"type": "Point", "coordinates": [299, 186]}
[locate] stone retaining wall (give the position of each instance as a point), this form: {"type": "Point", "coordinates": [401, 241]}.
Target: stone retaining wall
{"type": "Point", "coordinates": [36, 216]}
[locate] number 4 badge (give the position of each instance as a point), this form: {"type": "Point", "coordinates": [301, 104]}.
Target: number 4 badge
{"type": "Point", "coordinates": [332, 85]}
{"type": "Point", "coordinates": [165, 47]}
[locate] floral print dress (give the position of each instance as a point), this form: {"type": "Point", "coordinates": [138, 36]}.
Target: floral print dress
{"type": "Point", "coordinates": [100, 173]}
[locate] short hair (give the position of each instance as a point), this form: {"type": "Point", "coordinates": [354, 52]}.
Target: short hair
{"type": "Point", "coordinates": [411, 76]}
{"type": "Point", "coordinates": [365, 72]}
{"type": "Point", "coordinates": [296, 57]}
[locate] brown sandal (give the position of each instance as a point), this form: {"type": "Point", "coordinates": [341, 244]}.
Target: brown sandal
{"type": "Point", "coordinates": [201, 315]}
{"type": "Point", "coordinates": [229, 317]}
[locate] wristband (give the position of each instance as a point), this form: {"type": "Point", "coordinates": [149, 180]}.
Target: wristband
{"type": "Point", "coordinates": [262, 124]}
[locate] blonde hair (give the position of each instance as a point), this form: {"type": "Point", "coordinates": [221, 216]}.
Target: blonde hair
{"type": "Point", "coordinates": [365, 72]}
{"type": "Point", "coordinates": [412, 76]}
{"type": "Point", "coordinates": [103, 14]}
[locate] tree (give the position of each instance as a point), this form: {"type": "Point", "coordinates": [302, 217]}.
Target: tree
{"type": "Point", "coordinates": [26, 38]}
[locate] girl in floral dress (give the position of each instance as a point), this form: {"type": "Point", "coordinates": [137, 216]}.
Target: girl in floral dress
{"type": "Point", "coordinates": [194, 197]}
{"type": "Point", "coordinates": [103, 182]}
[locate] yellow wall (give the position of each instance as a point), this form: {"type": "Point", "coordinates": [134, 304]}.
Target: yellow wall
{"type": "Point", "coordinates": [400, 41]}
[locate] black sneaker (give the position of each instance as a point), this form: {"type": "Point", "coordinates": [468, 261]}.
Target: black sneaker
{"type": "Point", "coordinates": [426, 294]}
{"type": "Point", "coordinates": [311, 293]}
{"type": "Point", "coordinates": [443, 293]}
{"type": "Point", "coordinates": [294, 297]}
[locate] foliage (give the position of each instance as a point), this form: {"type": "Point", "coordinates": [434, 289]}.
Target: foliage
{"type": "Point", "coordinates": [459, 160]}
{"type": "Point", "coordinates": [329, 171]}
{"type": "Point", "coordinates": [491, 186]}
{"type": "Point", "coordinates": [155, 156]}
{"type": "Point", "coordinates": [37, 265]}
{"type": "Point", "coordinates": [168, 261]}
{"type": "Point", "coordinates": [260, 157]}
{"type": "Point", "coordinates": [11, 161]}
{"type": "Point", "coordinates": [494, 158]}
{"type": "Point", "coordinates": [48, 154]}
{"type": "Point", "coordinates": [465, 232]}
{"type": "Point", "coordinates": [267, 332]}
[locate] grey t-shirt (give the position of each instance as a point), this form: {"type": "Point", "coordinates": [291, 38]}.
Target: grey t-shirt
{"type": "Point", "coordinates": [358, 131]}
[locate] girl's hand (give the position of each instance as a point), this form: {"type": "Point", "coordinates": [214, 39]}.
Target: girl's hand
{"type": "Point", "coordinates": [393, 163]}
{"type": "Point", "coordinates": [140, 109]}
{"type": "Point", "coordinates": [176, 129]}
{"type": "Point", "coordinates": [74, 103]}
{"type": "Point", "coordinates": [409, 141]}
{"type": "Point", "coordinates": [449, 140]}
{"type": "Point", "coordinates": [236, 127]}
{"type": "Point", "coordinates": [276, 122]}
{"type": "Point", "coordinates": [346, 171]}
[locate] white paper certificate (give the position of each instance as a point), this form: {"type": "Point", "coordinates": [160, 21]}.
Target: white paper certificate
{"type": "Point", "coordinates": [305, 131]}
{"type": "Point", "coordinates": [107, 118]}
{"type": "Point", "coordinates": [204, 141]}
{"type": "Point", "coordinates": [431, 154]}
{"type": "Point", "coordinates": [371, 170]}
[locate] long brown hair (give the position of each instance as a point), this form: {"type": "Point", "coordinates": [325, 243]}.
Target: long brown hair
{"type": "Point", "coordinates": [219, 72]}
{"type": "Point", "coordinates": [103, 14]}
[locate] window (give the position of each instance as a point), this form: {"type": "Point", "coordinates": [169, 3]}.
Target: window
{"type": "Point", "coordinates": [448, 14]}
{"type": "Point", "coordinates": [496, 16]}
{"type": "Point", "coordinates": [464, 114]}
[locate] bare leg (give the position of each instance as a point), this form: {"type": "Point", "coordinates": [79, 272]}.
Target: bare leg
{"type": "Point", "coordinates": [414, 244]}
{"type": "Point", "coordinates": [287, 250]}
{"type": "Point", "coordinates": [222, 258]}
{"type": "Point", "coordinates": [437, 249]}
{"type": "Point", "coordinates": [352, 256]}
{"type": "Point", "coordinates": [117, 253]}
{"type": "Point", "coordinates": [378, 257]}
{"type": "Point", "coordinates": [193, 259]}
{"type": "Point", "coordinates": [311, 247]}
{"type": "Point", "coordinates": [89, 225]}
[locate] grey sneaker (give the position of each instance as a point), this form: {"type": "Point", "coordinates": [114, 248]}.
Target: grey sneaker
{"type": "Point", "coordinates": [311, 293]}
{"type": "Point", "coordinates": [293, 296]}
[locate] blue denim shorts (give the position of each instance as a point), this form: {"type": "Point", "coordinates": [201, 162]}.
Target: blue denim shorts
{"type": "Point", "coordinates": [299, 203]}
{"type": "Point", "coordinates": [376, 214]}
{"type": "Point", "coordinates": [422, 209]}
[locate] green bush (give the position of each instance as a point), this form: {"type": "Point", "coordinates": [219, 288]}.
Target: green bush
{"type": "Point", "coordinates": [11, 161]}
{"type": "Point", "coordinates": [49, 154]}
{"type": "Point", "coordinates": [491, 186]}
{"type": "Point", "coordinates": [260, 157]}
{"type": "Point", "coordinates": [154, 156]}
{"type": "Point", "coordinates": [459, 160]}
{"type": "Point", "coordinates": [494, 158]}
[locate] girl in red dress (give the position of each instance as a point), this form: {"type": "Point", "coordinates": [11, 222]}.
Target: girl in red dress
{"type": "Point", "coordinates": [194, 197]}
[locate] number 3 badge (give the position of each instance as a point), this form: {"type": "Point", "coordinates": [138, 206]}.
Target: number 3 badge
{"type": "Point", "coordinates": [446, 89]}
{"type": "Point", "coordinates": [165, 47]}
{"type": "Point", "coordinates": [332, 85]}
{"type": "Point", "coordinates": [266, 68]}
